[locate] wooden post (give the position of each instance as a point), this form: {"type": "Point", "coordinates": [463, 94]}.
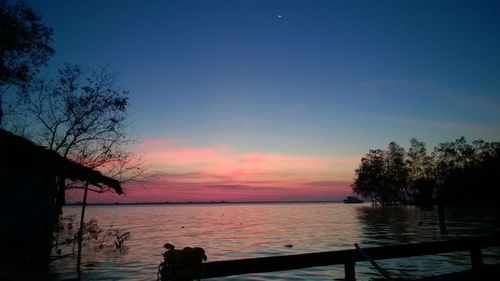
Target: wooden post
{"type": "Point", "coordinates": [442, 219]}
{"type": "Point", "coordinates": [476, 259]}
{"type": "Point", "coordinates": [80, 230]}
{"type": "Point", "coordinates": [350, 271]}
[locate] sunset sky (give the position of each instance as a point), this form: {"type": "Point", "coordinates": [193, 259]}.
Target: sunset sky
{"type": "Point", "coordinates": [248, 100]}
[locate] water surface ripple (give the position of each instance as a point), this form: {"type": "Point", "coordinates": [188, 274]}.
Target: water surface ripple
{"type": "Point", "coordinates": [233, 231]}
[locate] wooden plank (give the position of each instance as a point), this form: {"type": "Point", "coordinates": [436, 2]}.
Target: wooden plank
{"type": "Point", "coordinates": [269, 264]}
{"type": "Point", "coordinates": [291, 262]}
{"type": "Point", "coordinates": [350, 271]}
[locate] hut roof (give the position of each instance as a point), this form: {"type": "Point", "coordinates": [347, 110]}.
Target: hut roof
{"type": "Point", "coordinates": [18, 153]}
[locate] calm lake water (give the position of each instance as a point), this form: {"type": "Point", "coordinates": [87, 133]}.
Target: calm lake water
{"type": "Point", "coordinates": [232, 231]}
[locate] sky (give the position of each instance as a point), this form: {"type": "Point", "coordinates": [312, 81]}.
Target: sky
{"type": "Point", "coordinates": [249, 100]}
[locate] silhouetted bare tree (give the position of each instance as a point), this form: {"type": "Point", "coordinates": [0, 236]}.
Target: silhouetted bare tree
{"type": "Point", "coordinates": [82, 116]}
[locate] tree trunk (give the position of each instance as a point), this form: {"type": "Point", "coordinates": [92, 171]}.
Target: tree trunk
{"type": "Point", "coordinates": [60, 196]}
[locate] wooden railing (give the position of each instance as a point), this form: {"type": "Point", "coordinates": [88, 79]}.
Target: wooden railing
{"type": "Point", "coordinates": [348, 258]}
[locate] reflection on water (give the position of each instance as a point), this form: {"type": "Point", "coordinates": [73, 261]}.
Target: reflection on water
{"type": "Point", "coordinates": [231, 231]}
{"type": "Point", "coordinates": [392, 225]}
{"type": "Point", "coordinates": [389, 225]}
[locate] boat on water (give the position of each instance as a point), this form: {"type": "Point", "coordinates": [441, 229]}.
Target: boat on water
{"type": "Point", "coordinates": [353, 200]}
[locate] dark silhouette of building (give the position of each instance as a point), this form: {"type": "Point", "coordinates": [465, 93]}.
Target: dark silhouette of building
{"type": "Point", "coordinates": [28, 182]}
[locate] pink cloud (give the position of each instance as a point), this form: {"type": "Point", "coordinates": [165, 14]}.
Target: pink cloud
{"type": "Point", "coordinates": [181, 192]}
{"type": "Point", "coordinates": [221, 173]}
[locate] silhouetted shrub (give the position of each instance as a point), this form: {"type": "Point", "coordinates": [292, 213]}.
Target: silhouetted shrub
{"type": "Point", "coordinates": [181, 265]}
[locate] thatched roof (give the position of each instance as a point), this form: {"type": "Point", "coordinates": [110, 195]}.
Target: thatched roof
{"type": "Point", "coordinates": [19, 154]}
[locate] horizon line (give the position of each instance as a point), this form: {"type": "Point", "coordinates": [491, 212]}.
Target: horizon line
{"type": "Point", "coordinates": [79, 203]}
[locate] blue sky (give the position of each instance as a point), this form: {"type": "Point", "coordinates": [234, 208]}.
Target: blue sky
{"type": "Point", "coordinates": [303, 78]}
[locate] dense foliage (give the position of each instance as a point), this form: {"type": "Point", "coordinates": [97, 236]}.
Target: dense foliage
{"type": "Point", "coordinates": [455, 172]}
{"type": "Point", "coordinates": [181, 265]}
{"type": "Point", "coordinates": [24, 48]}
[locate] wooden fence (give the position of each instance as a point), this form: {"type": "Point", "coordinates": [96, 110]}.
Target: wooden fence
{"type": "Point", "coordinates": [348, 258]}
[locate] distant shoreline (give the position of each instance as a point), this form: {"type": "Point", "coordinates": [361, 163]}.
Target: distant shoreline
{"type": "Point", "coordinates": [201, 203]}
